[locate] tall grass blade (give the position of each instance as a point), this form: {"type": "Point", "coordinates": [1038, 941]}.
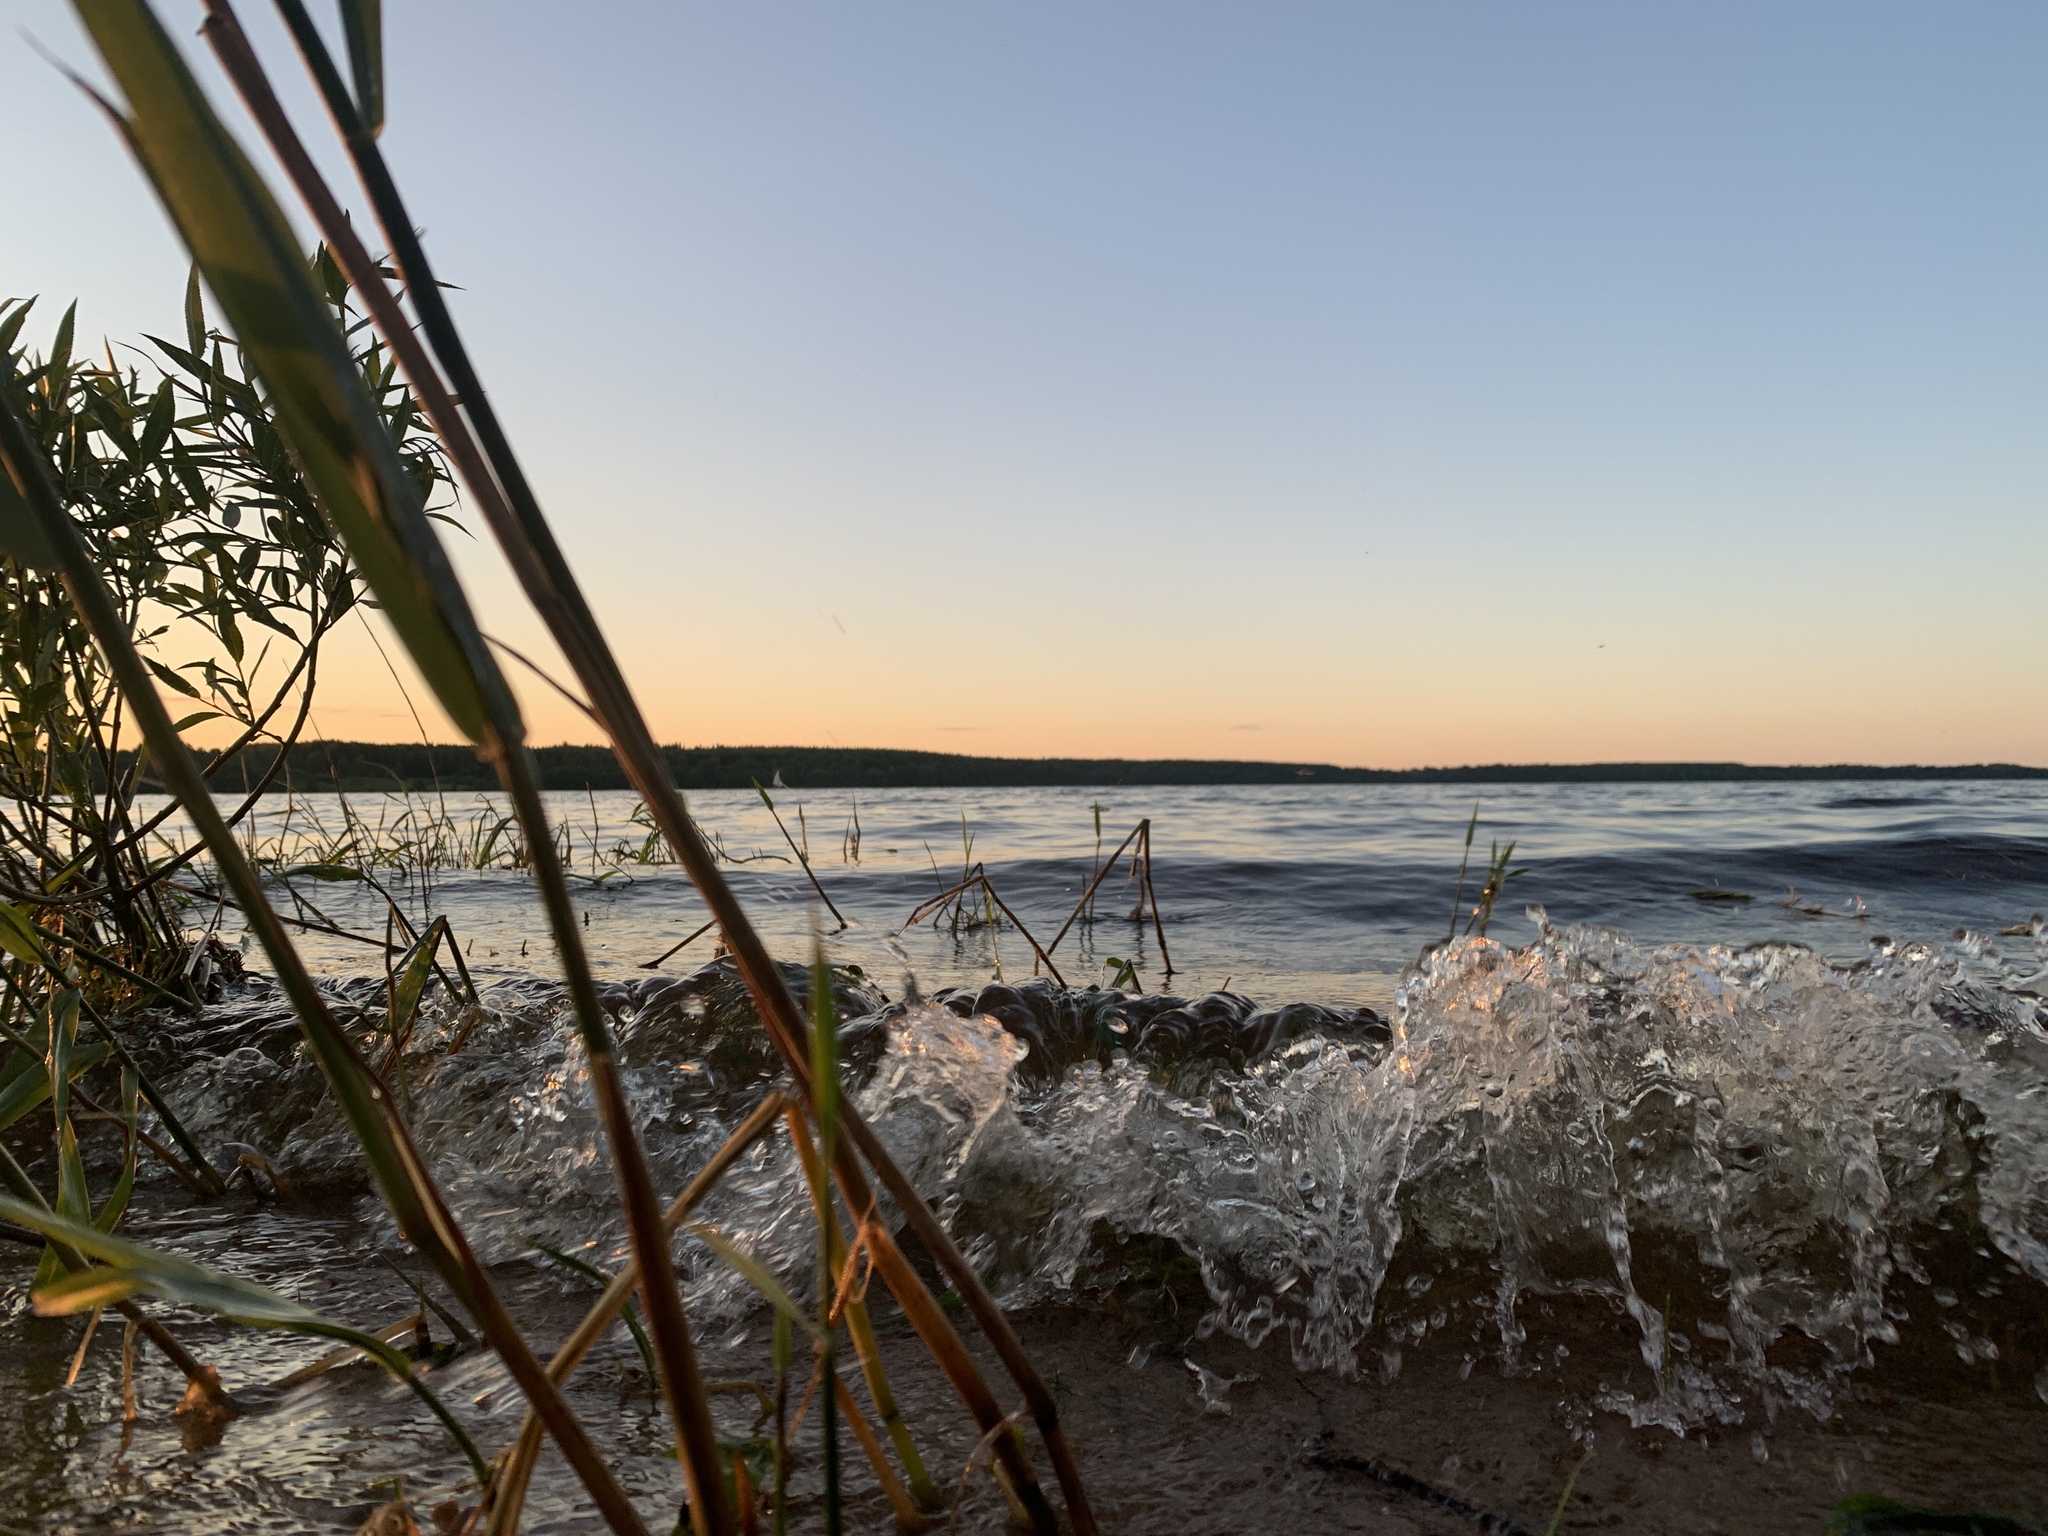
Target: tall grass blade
{"type": "Point", "coordinates": [362, 22]}
{"type": "Point", "coordinates": [907, 1516]}
{"type": "Point", "coordinates": [803, 856]}
{"type": "Point", "coordinates": [859, 1326]}
{"type": "Point", "coordinates": [755, 1273]}
{"type": "Point", "coordinates": [508, 504]}
{"type": "Point", "coordinates": [510, 1490]}
{"type": "Point", "coordinates": [250, 259]}
{"type": "Point", "coordinates": [242, 243]}
{"type": "Point", "coordinates": [1458, 896]}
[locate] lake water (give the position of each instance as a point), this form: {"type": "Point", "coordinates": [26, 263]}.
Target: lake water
{"type": "Point", "coordinates": [1318, 893]}
{"type": "Point", "coordinates": [1767, 1177]}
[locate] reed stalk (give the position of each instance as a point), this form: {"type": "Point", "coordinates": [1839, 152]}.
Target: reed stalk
{"type": "Point", "coordinates": [401, 557]}
{"type": "Point", "coordinates": [1102, 870]}
{"type": "Point", "coordinates": [980, 881]}
{"type": "Point", "coordinates": [508, 1492]}
{"type": "Point", "coordinates": [825, 1104]}
{"type": "Point", "coordinates": [1464, 862]}
{"type": "Point", "coordinates": [506, 501]}
{"type": "Point", "coordinates": [803, 855]}
{"type": "Point", "coordinates": [859, 1325]}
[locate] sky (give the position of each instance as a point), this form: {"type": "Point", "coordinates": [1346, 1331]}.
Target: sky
{"type": "Point", "coordinates": [1379, 384]}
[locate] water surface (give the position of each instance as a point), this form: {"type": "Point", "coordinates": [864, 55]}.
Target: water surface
{"type": "Point", "coordinates": [1319, 893]}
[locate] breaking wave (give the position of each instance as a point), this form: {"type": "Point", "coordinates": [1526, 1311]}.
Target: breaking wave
{"type": "Point", "coordinates": [1751, 1159]}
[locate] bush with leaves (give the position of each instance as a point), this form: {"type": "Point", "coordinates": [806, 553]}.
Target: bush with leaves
{"type": "Point", "coordinates": [172, 469]}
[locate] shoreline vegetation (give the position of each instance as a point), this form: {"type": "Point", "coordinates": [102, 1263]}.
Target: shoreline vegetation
{"type": "Point", "coordinates": [365, 767]}
{"type": "Point", "coordinates": [115, 507]}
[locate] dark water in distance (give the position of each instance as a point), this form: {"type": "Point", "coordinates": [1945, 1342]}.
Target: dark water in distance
{"type": "Point", "coordinates": [1310, 893]}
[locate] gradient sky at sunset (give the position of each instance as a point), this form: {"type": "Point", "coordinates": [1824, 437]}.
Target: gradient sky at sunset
{"type": "Point", "coordinates": [1383, 384]}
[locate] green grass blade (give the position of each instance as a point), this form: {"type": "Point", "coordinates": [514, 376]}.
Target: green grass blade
{"type": "Point", "coordinates": [627, 1314]}
{"type": "Point", "coordinates": [551, 586]}
{"type": "Point", "coordinates": [755, 1273]}
{"type": "Point", "coordinates": [130, 1267]}
{"type": "Point", "coordinates": [63, 1035]}
{"type": "Point", "coordinates": [250, 259]}
{"type": "Point", "coordinates": [412, 981]}
{"type": "Point", "coordinates": [697, 1447]}
{"type": "Point", "coordinates": [117, 1203]}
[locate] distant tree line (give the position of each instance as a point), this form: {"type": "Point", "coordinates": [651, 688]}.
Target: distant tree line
{"type": "Point", "coordinates": [357, 767]}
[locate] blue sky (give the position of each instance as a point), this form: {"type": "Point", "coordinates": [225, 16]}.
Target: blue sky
{"type": "Point", "coordinates": [1374, 383]}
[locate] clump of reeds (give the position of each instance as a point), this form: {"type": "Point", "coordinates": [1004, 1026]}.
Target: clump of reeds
{"type": "Point", "coordinates": [345, 453]}
{"type": "Point", "coordinates": [950, 905]}
{"type": "Point", "coordinates": [1497, 876]}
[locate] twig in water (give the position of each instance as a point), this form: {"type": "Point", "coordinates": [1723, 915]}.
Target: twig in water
{"type": "Point", "coordinates": [1158, 926]}
{"type": "Point", "coordinates": [1338, 1461]}
{"type": "Point", "coordinates": [648, 965]}
{"type": "Point", "coordinates": [1101, 874]}
{"type": "Point", "coordinates": [808, 871]}
{"type": "Point", "coordinates": [980, 881]}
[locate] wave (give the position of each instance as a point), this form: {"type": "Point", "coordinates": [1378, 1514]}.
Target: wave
{"type": "Point", "coordinates": [1752, 1159]}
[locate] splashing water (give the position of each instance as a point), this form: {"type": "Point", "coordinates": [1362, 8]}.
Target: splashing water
{"type": "Point", "coordinates": [1758, 1139]}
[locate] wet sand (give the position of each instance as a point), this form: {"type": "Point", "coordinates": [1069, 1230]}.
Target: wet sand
{"type": "Point", "coordinates": [1435, 1449]}
{"type": "Point", "coordinates": [1310, 1454]}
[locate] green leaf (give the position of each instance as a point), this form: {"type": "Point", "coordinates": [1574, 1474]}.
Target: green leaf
{"type": "Point", "coordinates": [130, 1267]}
{"type": "Point", "coordinates": [63, 1036]}
{"type": "Point", "coordinates": [66, 1294]}
{"type": "Point", "coordinates": [171, 679]}
{"type": "Point", "coordinates": [163, 1274]}
{"type": "Point", "coordinates": [156, 428]}
{"type": "Point", "coordinates": [117, 1202]}
{"type": "Point", "coordinates": [412, 983]}
{"type": "Point", "coordinates": [59, 365]}
{"type": "Point", "coordinates": [195, 322]}
{"type": "Point", "coordinates": [29, 1089]}
{"type": "Point", "coordinates": [20, 937]}
{"type": "Point", "coordinates": [73, 1203]}
{"type": "Point", "coordinates": [756, 1274]}
{"type": "Point", "coordinates": [11, 322]}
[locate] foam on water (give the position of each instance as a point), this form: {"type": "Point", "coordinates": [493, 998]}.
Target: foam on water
{"type": "Point", "coordinates": [1759, 1142]}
